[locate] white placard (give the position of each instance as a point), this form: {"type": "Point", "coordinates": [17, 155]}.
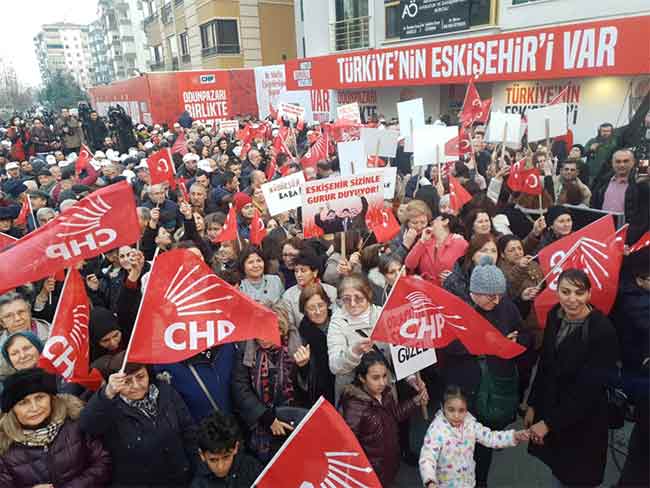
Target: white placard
{"type": "Point", "coordinates": [497, 124]}
{"type": "Point", "coordinates": [352, 158]}
{"type": "Point", "coordinates": [556, 115]}
{"type": "Point", "coordinates": [410, 360]}
{"type": "Point", "coordinates": [429, 144]}
{"type": "Point", "coordinates": [229, 125]}
{"type": "Point", "coordinates": [390, 180]}
{"type": "Point", "coordinates": [291, 111]}
{"type": "Point", "coordinates": [349, 112]}
{"type": "Point", "coordinates": [411, 116]}
{"type": "Point", "coordinates": [284, 194]}
{"type": "Point", "coordinates": [380, 142]}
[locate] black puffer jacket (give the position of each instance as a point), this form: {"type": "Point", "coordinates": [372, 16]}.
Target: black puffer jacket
{"type": "Point", "coordinates": [159, 452]}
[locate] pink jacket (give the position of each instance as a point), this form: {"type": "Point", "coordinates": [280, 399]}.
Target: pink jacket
{"type": "Point", "coordinates": [429, 260]}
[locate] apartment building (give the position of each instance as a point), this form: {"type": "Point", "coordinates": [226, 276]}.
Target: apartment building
{"type": "Point", "coordinates": [212, 34]}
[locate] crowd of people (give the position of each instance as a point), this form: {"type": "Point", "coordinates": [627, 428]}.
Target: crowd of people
{"type": "Point", "coordinates": [217, 418]}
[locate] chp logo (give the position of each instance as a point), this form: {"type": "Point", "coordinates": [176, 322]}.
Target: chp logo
{"type": "Point", "coordinates": [207, 79]}
{"type": "Point", "coordinates": [425, 319]}
{"type": "Point", "coordinates": [341, 474]}
{"type": "Point", "coordinates": [82, 227]}
{"type": "Point", "coordinates": [589, 255]}
{"type": "Point", "coordinates": [63, 351]}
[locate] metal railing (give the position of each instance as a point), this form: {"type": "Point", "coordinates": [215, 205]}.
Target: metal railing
{"type": "Point", "coordinates": [157, 66]}
{"type": "Point", "coordinates": [348, 34]}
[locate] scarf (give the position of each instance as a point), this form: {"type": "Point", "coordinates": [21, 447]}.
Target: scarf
{"type": "Point", "coordinates": [41, 437]}
{"type": "Point", "coordinates": [147, 405]}
{"type": "Point", "coordinates": [567, 327]}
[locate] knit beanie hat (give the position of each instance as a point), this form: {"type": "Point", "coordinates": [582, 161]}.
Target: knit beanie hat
{"type": "Point", "coordinates": [23, 383]}
{"type": "Point", "coordinates": [554, 212]}
{"type": "Point", "coordinates": [487, 279]}
{"type": "Point", "coordinates": [240, 200]}
{"type": "Point", "coordinates": [30, 336]}
{"type": "Point", "coordinates": [102, 321]}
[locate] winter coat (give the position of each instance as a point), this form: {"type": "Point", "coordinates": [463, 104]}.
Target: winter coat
{"type": "Point", "coordinates": [244, 471]}
{"type": "Point", "coordinates": [73, 137]}
{"type": "Point", "coordinates": [376, 426]}
{"type": "Point", "coordinates": [429, 259]}
{"type": "Point", "coordinates": [568, 394]}
{"type": "Point", "coordinates": [447, 455]}
{"type": "Point", "coordinates": [97, 132]}
{"type": "Point", "coordinates": [315, 378]}
{"type": "Point", "coordinates": [71, 460]}
{"type": "Point", "coordinates": [458, 281]}
{"type": "Point", "coordinates": [160, 452]}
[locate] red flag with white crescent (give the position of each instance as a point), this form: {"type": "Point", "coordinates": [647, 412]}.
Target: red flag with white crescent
{"type": "Point", "coordinates": [187, 309]}
{"type": "Point", "coordinates": [458, 196]}
{"type": "Point", "coordinates": [66, 351]}
{"type": "Point", "coordinates": [25, 210]}
{"type": "Point", "coordinates": [382, 222]}
{"type": "Point", "coordinates": [321, 452]}
{"type": "Point", "coordinates": [525, 180]}
{"type": "Point", "coordinates": [161, 168]}
{"type": "Point", "coordinates": [474, 109]}
{"type": "Point", "coordinates": [257, 229]}
{"type": "Point", "coordinates": [229, 230]}
{"type": "Point", "coordinates": [82, 162]}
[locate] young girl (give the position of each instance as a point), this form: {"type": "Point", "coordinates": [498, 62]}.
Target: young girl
{"type": "Point", "coordinates": [447, 456]}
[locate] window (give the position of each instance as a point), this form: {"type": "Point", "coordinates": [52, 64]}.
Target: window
{"type": "Point", "coordinates": [220, 36]}
{"type": "Point", "coordinates": [392, 20]}
{"type": "Point", "coordinates": [171, 46]}
{"type": "Point", "coordinates": [185, 44]}
{"type": "Point", "coordinates": [156, 54]}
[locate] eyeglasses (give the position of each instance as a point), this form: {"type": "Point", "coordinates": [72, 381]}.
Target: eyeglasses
{"type": "Point", "coordinates": [18, 314]}
{"type": "Point", "coordinates": [350, 299]}
{"type": "Point", "coordinates": [316, 308]}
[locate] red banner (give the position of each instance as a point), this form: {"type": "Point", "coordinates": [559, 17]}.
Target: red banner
{"type": "Point", "coordinates": [603, 48]}
{"type": "Point", "coordinates": [102, 221]}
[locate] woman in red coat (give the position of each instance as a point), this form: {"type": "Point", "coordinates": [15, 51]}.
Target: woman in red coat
{"type": "Point", "coordinates": [370, 409]}
{"type": "Point", "coordinates": [19, 138]}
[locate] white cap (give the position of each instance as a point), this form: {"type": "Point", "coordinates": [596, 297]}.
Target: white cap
{"type": "Point", "coordinates": [64, 163]}
{"type": "Point", "coordinates": [133, 151]}
{"type": "Point", "coordinates": [129, 174]}
{"type": "Point", "coordinates": [236, 150]}
{"type": "Point", "coordinates": [190, 156]}
{"type": "Point", "coordinates": [6, 143]}
{"type": "Point", "coordinates": [50, 159]}
{"type": "Point", "coordinates": [204, 165]}
{"type": "Point", "coordinates": [72, 157]}
{"type": "Point", "coordinates": [148, 145]}
{"type": "Point", "coordinates": [12, 165]}
{"type": "Point", "coordinates": [99, 155]}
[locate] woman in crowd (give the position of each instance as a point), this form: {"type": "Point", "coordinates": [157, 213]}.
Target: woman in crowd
{"type": "Point", "coordinates": [389, 265]}
{"type": "Point", "coordinates": [245, 209]}
{"type": "Point", "coordinates": [568, 409]}
{"type": "Point", "coordinates": [372, 411]}
{"type": "Point", "coordinates": [263, 381]}
{"type": "Point", "coordinates": [290, 250]}
{"type": "Point", "coordinates": [22, 350]}
{"type": "Point", "coordinates": [106, 338]}
{"type": "Point", "coordinates": [558, 223]}
{"type": "Point", "coordinates": [440, 246]}
{"type": "Point", "coordinates": [41, 442]}
{"type": "Point", "coordinates": [263, 288]}
{"type": "Point", "coordinates": [314, 377]}
{"type": "Point", "coordinates": [146, 427]}
{"type": "Point", "coordinates": [259, 202]}
{"type": "Point", "coordinates": [458, 281]}
{"type": "Point", "coordinates": [418, 216]}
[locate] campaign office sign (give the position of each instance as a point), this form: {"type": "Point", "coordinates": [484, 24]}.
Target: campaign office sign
{"type": "Point", "coordinates": [428, 17]}
{"type": "Point", "coordinates": [410, 360]}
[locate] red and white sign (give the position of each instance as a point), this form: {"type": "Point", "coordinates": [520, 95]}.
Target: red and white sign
{"type": "Point", "coordinates": [291, 111]}
{"type": "Point", "coordinates": [229, 125]}
{"type": "Point", "coordinates": [349, 112]}
{"type": "Point", "coordinates": [603, 48]}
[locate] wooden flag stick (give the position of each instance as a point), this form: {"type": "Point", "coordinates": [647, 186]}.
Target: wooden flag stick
{"type": "Point", "coordinates": [438, 162]}
{"type": "Point", "coordinates": [343, 245]}
{"type": "Point", "coordinates": [547, 128]}
{"type": "Point", "coordinates": [503, 147]}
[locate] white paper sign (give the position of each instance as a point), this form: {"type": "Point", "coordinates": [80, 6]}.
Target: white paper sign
{"type": "Point", "coordinates": [411, 116]}
{"type": "Point", "coordinates": [291, 111]}
{"type": "Point", "coordinates": [229, 125]}
{"type": "Point", "coordinates": [349, 112]}
{"type": "Point", "coordinates": [556, 115]}
{"type": "Point", "coordinates": [390, 180]}
{"type": "Point", "coordinates": [352, 158]}
{"type": "Point", "coordinates": [410, 360]}
{"type": "Point", "coordinates": [380, 142]}
{"type": "Point", "coordinates": [498, 120]}
{"type": "Point", "coordinates": [284, 194]}
{"type": "Point", "coordinates": [429, 144]}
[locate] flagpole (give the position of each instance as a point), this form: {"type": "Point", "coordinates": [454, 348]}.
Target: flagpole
{"type": "Point", "coordinates": [58, 303]}
{"type": "Point", "coordinates": [399, 275]}
{"type": "Point", "coordinates": [559, 264]}
{"type": "Point", "coordinates": [137, 316]}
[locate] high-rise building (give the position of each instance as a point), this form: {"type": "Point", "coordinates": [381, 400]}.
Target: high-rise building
{"type": "Point", "coordinates": [64, 47]}
{"type": "Point", "coordinates": [199, 34]}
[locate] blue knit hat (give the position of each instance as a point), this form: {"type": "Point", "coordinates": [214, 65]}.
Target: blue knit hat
{"type": "Point", "coordinates": [30, 336]}
{"type": "Point", "coordinates": [487, 279]}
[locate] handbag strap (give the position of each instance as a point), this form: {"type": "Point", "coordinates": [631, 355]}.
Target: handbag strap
{"type": "Point", "coordinates": [204, 388]}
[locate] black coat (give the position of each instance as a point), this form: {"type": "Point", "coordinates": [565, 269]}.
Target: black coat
{"type": "Point", "coordinates": [244, 471]}
{"type": "Point", "coordinates": [146, 453]}
{"type": "Point", "coordinates": [315, 378]}
{"type": "Point", "coordinates": [568, 394]}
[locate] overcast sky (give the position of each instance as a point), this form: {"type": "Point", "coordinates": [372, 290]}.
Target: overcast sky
{"type": "Point", "coordinates": [22, 20]}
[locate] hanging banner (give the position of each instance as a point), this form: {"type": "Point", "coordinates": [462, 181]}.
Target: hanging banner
{"type": "Point", "coordinates": [429, 17]}
{"type": "Point", "coordinates": [269, 83]}
{"type": "Point", "coordinates": [366, 99]}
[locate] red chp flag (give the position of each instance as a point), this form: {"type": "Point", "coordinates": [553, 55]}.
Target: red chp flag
{"type": "Point", "coordinates": [187, 309]}
{"type": "Point", "coordinates": [257, 229]}
{"type": "Point", "coordinates": [524, 180]}
{"type": "Point", "coordinates": [597, 249]}
{"type": "Point", "coordinates": [644, 241]}
{"type": "Point", "coordinates": [66, 352]}
{"type": "Point", "coordinates": [421, 314]}
{"type": "Point", "coordinates": [458, 195]}
{"type": "Point", "coordinates": [382, 222]}
{"type": "Point", "coordinates": [474, 110]}
{"type": "Point", "coordinates": [321, 452]}
{"type": "Point", "coordinates": [317, 152]}
{"type": "Point", "coordinates": [161, 168]}
{"type": "Point", "coordinates": [6, 240]}
{"type": "Point", "coordinates": [102, 221]}
{"type": "Point", "coordinates": [24, 211]}
{"type": "Point", "coordinates": [229, 230]}
{"type": "Point", "coordinates": [83, 160]}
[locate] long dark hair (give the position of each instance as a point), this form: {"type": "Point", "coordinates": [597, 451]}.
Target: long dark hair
{"type": "Point", "coordinates": [368, 360]}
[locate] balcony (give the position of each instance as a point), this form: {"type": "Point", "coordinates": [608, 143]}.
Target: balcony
{"type": "Point", "coordinates": [166, 14]}
{"type": "Point", "coordinates": [160, 66]}
{"type": "Point", "coordinates": [349, 34]}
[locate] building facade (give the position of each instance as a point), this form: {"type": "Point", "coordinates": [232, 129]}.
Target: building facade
{"type": "Point", "coordinates": [64, 47]}
{"type": "Point", "coordinates": [430, 42]}
{"type": "Point", "coordinates": [212, 34]}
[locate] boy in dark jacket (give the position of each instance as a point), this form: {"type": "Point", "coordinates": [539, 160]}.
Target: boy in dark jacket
{"type": "Point", "coordinates": [224, 466]}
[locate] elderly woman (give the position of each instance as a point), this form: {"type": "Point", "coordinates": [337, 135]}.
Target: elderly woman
{"type": "Point", "coordinates": [263, 288]}
{"type": "Point", "coordinates": [41, 442]}
{"type": "Point", "coordinates": [458, 281]}
{"type": "Point", "coordinates": [557, 223]}
{"type": "Point", "coordinates": [146, 428]}
{"type": "Point", "coordinates": [418, 216]}
{"type": "Point", "coordinates": [568, 412]}
{"type": "Point", "coordinates": [22, 350]}
{"type": "Point", "coordinates": [263, 381]}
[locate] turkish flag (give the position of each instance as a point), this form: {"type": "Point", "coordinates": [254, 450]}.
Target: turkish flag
{"type": "Point", "coordinates": [474, 110]}
{"type": "Point", "coordinates": [104, 220]}
{"type": "Point", "coordinates": [382, 222]}
{"type": "Point", "coordinates": [229, 230]}
{"type": "Point", "coordinates": [524, 180]}
{"type": "Point", "coordinates": [245, 135]}
{"type": "Point", "coordinates": [310, 229]}
{"type": "Point", "coordinates": [644, 241]}
{"type": "Point", "coordinates": [180, 145]}
{"type": "Point", "coordinates": [257, 229]}
{"type": "Point", "coordinates": [21, 219]}
{"type": "Point", "coordinates": [459, 145]}
{"type": "Point", "coordinates": [458, 195]}
{"type": "Point", "coordinates": [183, 189]}
{"type": "Point", "coordinates": [187, 309]}
{"type": "Point", "coordinates": [161, 168]}
{"type": "Point", "coordinates": [421, 314]}
{"type": "Point", "coordinates": [6, 240]}
{"type": "Point", "coordinates": [83, 160]}
{"type": "Point", "coordinates": [66, 352]}
{"type": "Point", "coordinates": [321, 452]}
{"type": "Point", "coordinates": [597, 249]}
